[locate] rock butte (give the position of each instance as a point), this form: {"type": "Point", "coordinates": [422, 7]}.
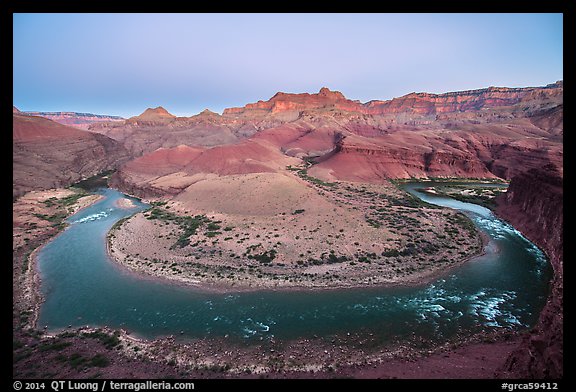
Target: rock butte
{"type": "Point", "coordinates": [510, 133]}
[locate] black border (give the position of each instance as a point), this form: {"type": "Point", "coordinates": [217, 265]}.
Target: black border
{"type": "Point", "coordinates": [566, 7]}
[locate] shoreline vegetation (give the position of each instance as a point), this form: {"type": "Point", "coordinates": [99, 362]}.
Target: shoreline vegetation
{"type": "Point", "coordinates": [452, 180]}
{"type": "Point", "coordinates": [212, 358]}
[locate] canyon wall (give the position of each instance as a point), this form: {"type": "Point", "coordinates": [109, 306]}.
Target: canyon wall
{"type": "Point", "coordinates": [534, 205]}
{"type": "Point", "coordinates": [462, 101]}
{"type": "Point", "coordinates": [424, 104]}
{"type": "Point", "coordinates": [46, 154]}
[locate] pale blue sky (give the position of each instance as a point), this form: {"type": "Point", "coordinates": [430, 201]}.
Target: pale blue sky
{"type": "Point", "coordinates": [120, 64]}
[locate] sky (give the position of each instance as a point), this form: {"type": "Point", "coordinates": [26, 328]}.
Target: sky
{"type": "Point", "coordinates": [121, 64]}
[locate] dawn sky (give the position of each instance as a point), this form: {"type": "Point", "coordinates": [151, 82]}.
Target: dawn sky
{"type": "Point", "coordinates": [120, 64]}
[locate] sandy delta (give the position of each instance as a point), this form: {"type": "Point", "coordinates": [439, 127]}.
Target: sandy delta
{"type": "Point", "coordinates": [305, 235]}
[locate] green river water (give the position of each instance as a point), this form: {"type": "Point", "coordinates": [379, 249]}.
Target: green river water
{"type": "Point", "coordinates": [505, 288]}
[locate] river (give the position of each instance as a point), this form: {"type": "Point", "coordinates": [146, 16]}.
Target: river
{"type": "Point", "coordinates": [505, 288]}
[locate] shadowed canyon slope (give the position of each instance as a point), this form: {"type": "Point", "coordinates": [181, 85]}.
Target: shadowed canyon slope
{"type": "Point", "coordinates": [170, 171]}
{"type": "Point", "coordinates": [156, 128]}
{"type": "Point", "coordinates": [50, 155]}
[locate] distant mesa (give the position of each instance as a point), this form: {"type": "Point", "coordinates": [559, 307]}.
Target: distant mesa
{"type": "Point", "coordinates": [73, 119]}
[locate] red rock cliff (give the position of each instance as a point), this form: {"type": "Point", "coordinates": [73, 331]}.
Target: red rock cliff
{"type": "Point", "coordinates": [534, 205]}
{"type": "Point", "coordinates": [285, 101]}
{"type": "Point", "coordinates": [462, 101]}
{"type": "Point", "coordinates": [423, 104]}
